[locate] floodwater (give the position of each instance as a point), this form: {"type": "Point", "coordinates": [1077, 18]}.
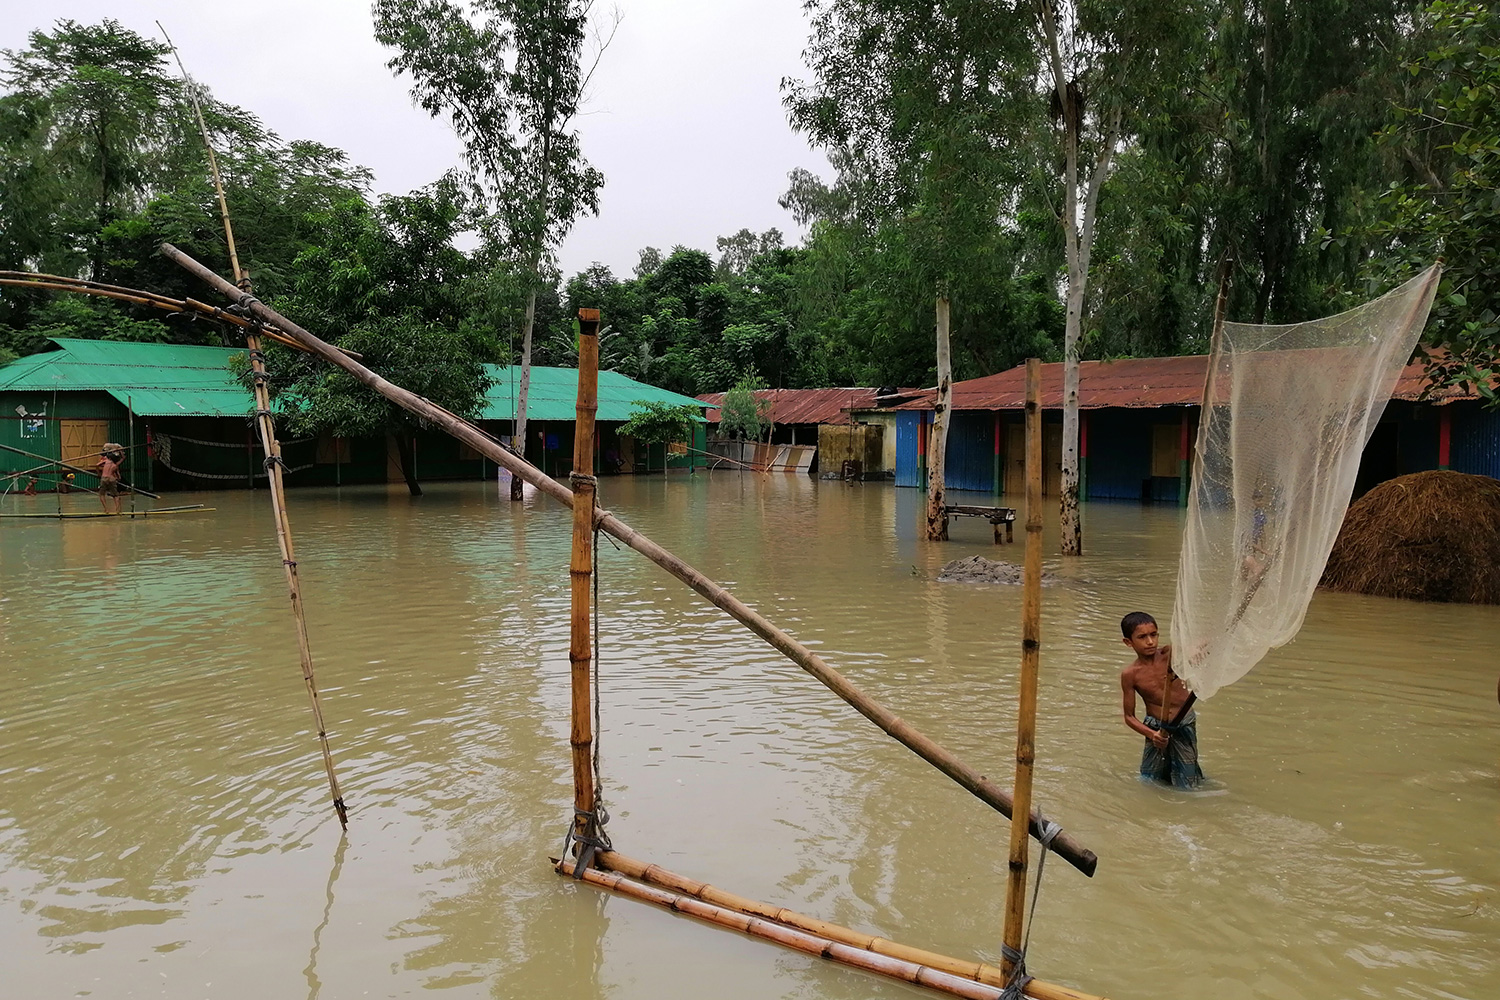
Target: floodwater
{"type": "Point", "coordinates": [165, 831]}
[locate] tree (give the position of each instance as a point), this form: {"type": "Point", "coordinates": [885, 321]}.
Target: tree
{"type": "Point", "coordinates": [1447, 133]}
{"type": "Point", "coordinates": [913, 98]}
{"type": "Point", "coordinates": [1102, 59]}
{"type": "Point", "coordinates": [742, 412]}
{"type": "Point", "coordinates": [101, 161]}
{"type": "Point", "coordinates": [387, 283]}
{"type": "Point", "coordinates": [661, 423]}
{"type": "Point", "coordinates": [509, 76]}
{"type": "Point", "coordinates": [90, 105]}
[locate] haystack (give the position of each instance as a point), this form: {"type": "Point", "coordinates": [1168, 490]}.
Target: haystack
{"type": "Point", "coordinates": [1429, 536]}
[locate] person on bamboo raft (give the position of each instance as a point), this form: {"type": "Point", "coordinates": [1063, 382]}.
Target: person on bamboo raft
{"type": "Point", "coordinates": [1171, 752]}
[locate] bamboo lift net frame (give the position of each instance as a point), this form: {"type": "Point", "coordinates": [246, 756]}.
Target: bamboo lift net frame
{"type": "Point", "coordinates": [600, 520]}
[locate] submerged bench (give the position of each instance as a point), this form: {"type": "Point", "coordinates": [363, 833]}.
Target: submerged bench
{"type": "Point", "coordinates": [995, 515]}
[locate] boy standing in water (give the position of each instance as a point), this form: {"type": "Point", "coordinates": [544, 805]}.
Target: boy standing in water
{"type": "Point", "coordinates": [1171, 752]}
{"type": "Point", "coordinates": [109, 476]}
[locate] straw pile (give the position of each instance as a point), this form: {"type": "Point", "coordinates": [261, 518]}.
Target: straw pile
{"type": "Point", "coordinates": [1429, 536]}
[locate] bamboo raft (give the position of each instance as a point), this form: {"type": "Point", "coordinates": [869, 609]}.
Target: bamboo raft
{"type": "Point", "coordinates": [196, 508]}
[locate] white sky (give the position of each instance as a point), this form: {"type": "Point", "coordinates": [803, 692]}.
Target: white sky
{"type": "Point", "coordinates": [685, 118]}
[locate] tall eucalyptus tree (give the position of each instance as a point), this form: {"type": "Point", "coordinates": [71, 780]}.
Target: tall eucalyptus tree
{"type": "Point", "coordinates": [1107, 61]}
{"type": "Point", "coordinates": [510, 76]}
{"type": "Point", "coordinates": [912, 100]}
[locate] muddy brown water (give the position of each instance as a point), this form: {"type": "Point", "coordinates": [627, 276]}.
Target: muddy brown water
{"type": "Point", "coordinates": [164, 830]}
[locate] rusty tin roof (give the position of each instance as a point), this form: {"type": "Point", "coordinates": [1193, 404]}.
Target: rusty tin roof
{"type": "Point", "coordinates": [804, 406]}
{"type": "Point", "coordinates": [1135, 383]}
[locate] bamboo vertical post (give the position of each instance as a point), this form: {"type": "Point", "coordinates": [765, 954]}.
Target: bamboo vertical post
{"type": "Point", "coordinates": [130, 415]}
{"type": "Point", "coordinates": [580, 574]}
{"type": "Point", "coordinates": [1031, 645]}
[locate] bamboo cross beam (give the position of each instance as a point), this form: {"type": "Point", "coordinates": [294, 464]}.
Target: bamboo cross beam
{"type": "Point", "coordinates": [923, 746]}
{"type": "Point", "coordinates": [580, 573]}
{"type": "Point", "coordinates": [1031, 646]}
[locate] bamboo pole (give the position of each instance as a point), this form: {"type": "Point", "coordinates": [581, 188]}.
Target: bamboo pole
{"type": "Point", "coordinates": [580, 573]}
{"type": "Point", "coordinates": [805, 934]}
{"type": "Point", "coordinates": [929, 750]}
{"type": "Point", "coordinates": [1031, 645]}
{"type": "Point", "coordinates": [70, 468]}
{"type": "Point", "coordinates": [130, 412]}
{"type": "Point", "coordinates": [274, 465]}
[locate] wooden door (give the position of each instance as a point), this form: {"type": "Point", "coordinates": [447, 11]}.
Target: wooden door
{"type": "Point", "coordinates": [81, 441]}
{"type": "Point", "coordinates": [1051, 459]}
{"type": "Point", "coordinates": [1015, 458]}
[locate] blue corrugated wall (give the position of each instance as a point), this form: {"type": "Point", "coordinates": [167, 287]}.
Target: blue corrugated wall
{"type": "Point", "coordinates": [1476, 440]}
{"type": "Point", "coordinates": [971, 452]}
{"type": "Point", "coordinates": [907, 473]}
{"type": "Point", "coordinates": [1119, 447]}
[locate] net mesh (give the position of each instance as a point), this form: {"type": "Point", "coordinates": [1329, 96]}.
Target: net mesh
{"type": "Point", "coordinates": [1287, 413]}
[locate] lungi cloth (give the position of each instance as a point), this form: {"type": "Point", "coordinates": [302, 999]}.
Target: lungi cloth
{"type": "Point", "coordinates": [1177, 765]}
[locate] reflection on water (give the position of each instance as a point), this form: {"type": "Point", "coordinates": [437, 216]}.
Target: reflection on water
{"type": "Point", "coordinates": [164, 828]}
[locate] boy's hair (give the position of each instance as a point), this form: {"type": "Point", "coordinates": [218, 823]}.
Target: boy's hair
{"type": "Point", "coordinates": [1133, 621]}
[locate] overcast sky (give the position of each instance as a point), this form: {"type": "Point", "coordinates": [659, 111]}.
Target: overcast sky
{"type": "Point", "coordinates": [685, 118]}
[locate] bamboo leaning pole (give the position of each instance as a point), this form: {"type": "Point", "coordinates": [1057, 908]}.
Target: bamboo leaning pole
{"type": "Point", "coordinates": [1031, 646]}
{"type": "Point", "coordinates": [274, 467]}
{"type": "Point", "coordinates": [923, 746]}
{"type": "Point", "coordinates": [580, 574]}
{"type": "Point", "coordinates": [274, 464]}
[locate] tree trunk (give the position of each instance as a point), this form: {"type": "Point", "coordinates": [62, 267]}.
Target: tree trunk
{"type": "Point", "coordinates": [1072, 523]}
{"type": "Point", "coordinates": [1078, 238]}
{"type": "Point", "coordinates": [937, 443]}
{"type": "Point", "coordinates": [406, 453]}
{"type": "Point", "coordinates": [520, 439]}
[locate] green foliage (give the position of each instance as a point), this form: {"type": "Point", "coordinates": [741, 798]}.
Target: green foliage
{"type": "Point", "coordinates": [508, 76]}
{"type": "Point", "coordinates": [742, 413]}
{"type": "Point", "coordinates": [1448, 133]}
{"type": "Point", "coordinates": [660, 423]}
{"type": "Point", "coordinates": [101, 160]}
{"type": "Point", "coordinates": [385, 282]}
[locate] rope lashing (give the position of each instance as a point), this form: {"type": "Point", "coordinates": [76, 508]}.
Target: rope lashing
{"type": "Point", "coordinates": [590, 841]}
{"type": "Point", "coordinates": [577, 479]}
{"type": "Point", "coordinates": [1015, 989]}
{"type": "Point", "coordinates": [272, 460]}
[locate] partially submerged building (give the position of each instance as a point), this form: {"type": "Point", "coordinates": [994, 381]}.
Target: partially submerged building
{"type": "Point", "coordinates": [1138, 422]}
{"type": "Point", "coordinates": [818, 429]}
{"type": "Point", "coordinates": [184, 418]}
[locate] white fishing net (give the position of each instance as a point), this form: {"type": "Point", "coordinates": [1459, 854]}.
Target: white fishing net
{"type": "Point", "coordinates": [1288, 412]}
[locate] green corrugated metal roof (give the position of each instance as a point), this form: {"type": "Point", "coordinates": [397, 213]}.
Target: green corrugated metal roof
{"type": "Point", "coordinates": [157, 379]}
{"type": "Point", "coordinates": [161, 380]}
{"type": "Point", "coordinates": [554, 394]}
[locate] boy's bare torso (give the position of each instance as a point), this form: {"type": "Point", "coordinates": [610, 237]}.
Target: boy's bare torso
{"type": "Point", "coordinates": [1149, 678]}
